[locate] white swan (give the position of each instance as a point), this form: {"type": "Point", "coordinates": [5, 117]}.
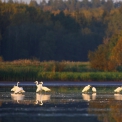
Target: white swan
{"type": "Point", "coordinates": [118, 89]}
{"type": "Point", "coordinates": [17, 89]}
{"type": "Point", "coordinates": [86, 88]}
{"type": "Point", "coordinates": [44, 88]}
{"type": "Point", "coordinates": [39, 86]}
{"type": "Point", "coordinates": [94, 89]}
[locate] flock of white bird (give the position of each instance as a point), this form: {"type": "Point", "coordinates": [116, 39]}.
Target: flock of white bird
{"type": "Point", "coordinates": [40, 97]}
{"type": "Point", "coordinates": [87, 88]}
{"type": "Point", "coordinates": [16, 89]}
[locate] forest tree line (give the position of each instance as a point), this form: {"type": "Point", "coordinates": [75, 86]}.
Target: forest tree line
{"type": "Point", "coordinates": [62, 30]}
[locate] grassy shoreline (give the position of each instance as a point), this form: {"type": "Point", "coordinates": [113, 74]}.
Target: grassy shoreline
{"type": "Point", "coordinates": [26, 70]}
{"type": "Point", "coordinates": [62, 76]}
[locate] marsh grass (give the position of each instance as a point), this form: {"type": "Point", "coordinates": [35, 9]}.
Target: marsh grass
{"type": "Point", "coordinates": [29, 70]}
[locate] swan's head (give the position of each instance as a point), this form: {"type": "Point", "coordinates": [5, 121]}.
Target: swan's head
{"type": "Point", "coordinates": [18, 82]}
{"type": "Point", "coordinates": [36, 82]}
{"type": "Point", "coordinates": [41, 82]}
{"type": "Point", "coordinates": [36, 102]}
{"type": "Point", "coordinates": [41, 103]}
{"type": "Point", "coordinates": [89, 85]}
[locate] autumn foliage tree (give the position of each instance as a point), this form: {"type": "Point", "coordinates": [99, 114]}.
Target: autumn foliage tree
{"type": "Point", "coordinates": [117, 53]}
{"type": "Point", "coordinates": [60, 30]}
{"type": "Point", "coordinates": [99, 58]}
{"type": "Point", "coordinates": [108, 57]}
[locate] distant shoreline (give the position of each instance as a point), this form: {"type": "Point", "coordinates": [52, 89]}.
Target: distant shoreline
{"type": "Point", "coordinates": [62, 76]}
{"type": "Point", "coordinates": [27, 70]}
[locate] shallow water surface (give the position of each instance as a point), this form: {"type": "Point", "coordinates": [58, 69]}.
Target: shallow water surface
{"type": "Point", "coordinates": [64, 103]}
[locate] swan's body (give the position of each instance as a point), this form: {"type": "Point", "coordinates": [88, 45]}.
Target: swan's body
{"type": "Point", "coordinates": [44, 88]}
{"type": "Point", "coordinates": [86, 88]}
{"type": "Point", "coordinates": [14, 88]}
{"type": "Point", "coordinates": [17, 89]}
{"type": "Point", "coordinates": [118, 89]}
{"type": "Point", "coordinates": [94, 89]}
{"type": "Point", "coordinates": [39, 86]}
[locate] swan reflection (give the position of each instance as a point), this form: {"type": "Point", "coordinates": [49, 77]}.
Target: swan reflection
{"type": "Point", "coordinates": [86, 97]}
{"type": "Point", "coordinates": [117, 96]}
{"type": "Point", "coordinates": [17, 97]}
{"type": "Point", "coordinates": [94, 96]}
{"type": "Point", "coordinates": [41, 97]}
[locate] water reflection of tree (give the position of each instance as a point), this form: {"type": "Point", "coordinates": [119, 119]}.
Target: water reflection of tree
{"type": "Point", "coordinates": [0, 103]}
{"type": "Point", "coordinates": [107, 109]}
{"type": "Point", "coordinates": [117, 111]}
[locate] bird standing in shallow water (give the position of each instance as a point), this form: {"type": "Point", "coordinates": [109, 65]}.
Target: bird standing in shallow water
{"type": "Point", "coordinates": [118, 89]}
{"type": "Point", "coordinates": [94, 89]}
{"type": "Point", "coordinates": [44, 88]}
{"type": "Point", "coordinates": [39, 86]}
{"type": "Point", "coordinates": [86, 88]}
{"type": "Point", "coordinates": [17, 89]}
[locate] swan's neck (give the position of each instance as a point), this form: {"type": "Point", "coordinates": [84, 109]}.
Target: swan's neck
{"type": "Point", "coordinates": [17, 83]}
{"type": "Point", "coordinates": [37, 83]}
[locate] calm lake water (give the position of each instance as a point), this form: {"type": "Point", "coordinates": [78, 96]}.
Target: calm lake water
{"type": "Point", "coordinates": [64, 103]}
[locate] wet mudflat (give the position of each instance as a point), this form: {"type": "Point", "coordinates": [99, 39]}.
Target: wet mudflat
{"type": "Point", "coordinates": [65, 102]}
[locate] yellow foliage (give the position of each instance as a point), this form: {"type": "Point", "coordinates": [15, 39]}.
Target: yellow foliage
{"type": "Point", "coordinates": [117, 53]}
{"type": "Point", "coordinates": [99, 58]}
{"type": "Point", "coordinates": [56, 12]}
{"type": "Point", "coordinates": [114, 11]}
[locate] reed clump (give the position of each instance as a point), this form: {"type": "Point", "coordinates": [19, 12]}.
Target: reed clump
{"type": "Point", "coordinates": [29, 70]}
